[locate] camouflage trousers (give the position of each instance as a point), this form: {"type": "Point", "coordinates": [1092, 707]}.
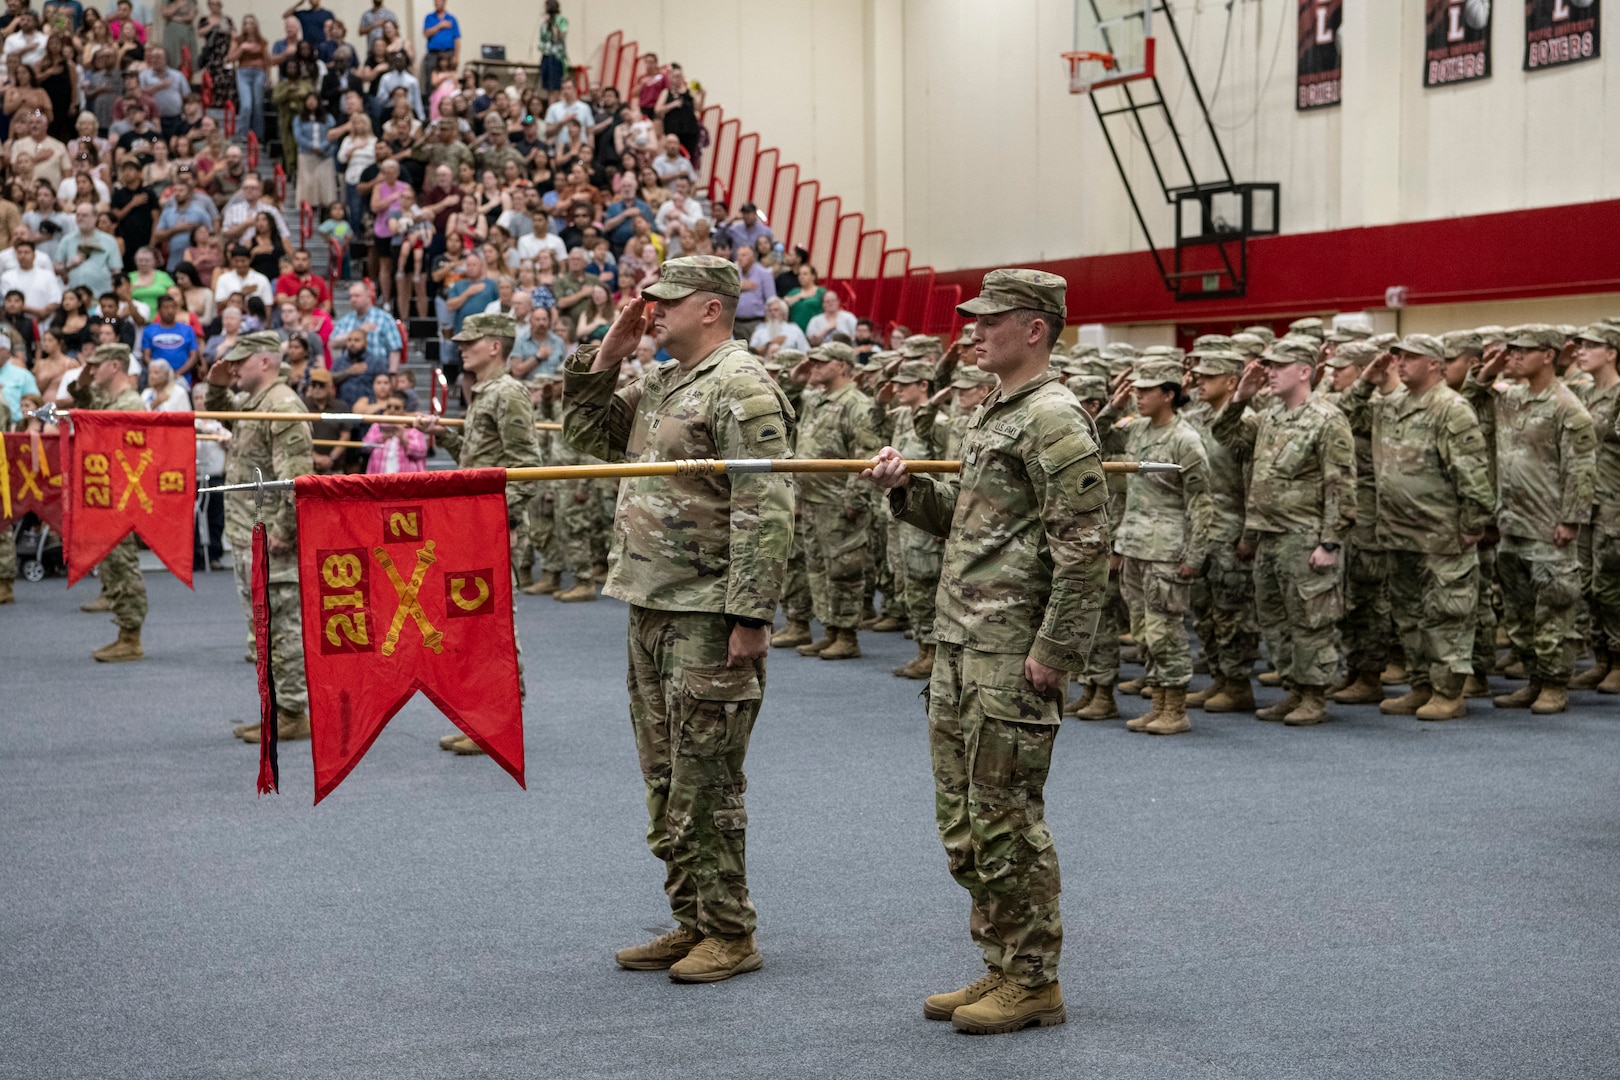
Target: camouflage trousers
{"type": "Point", "coordinates": [1485, 620]}
{"type": "Point", "coordinates": [1223, 613]}
{"type": "Point", "coordinates": [838, 560]}
{"type": "Point", "coordinates": [1158, 602]}
{"type": "Point", "coordinates": [990, 736]}
{"type": "Point", "coordinates": [121, 582]}
{"type": "Point", "coordinates": [796, 581]}
{"type": "Point", "coordinates": [8, 551]}
{"type": "Point", "coordinates": [1540, 594]}
{"type": "Point", "coordinates": [1102, 662]}
{"type": "Point", "coordinates": [1367, 627]}
{"type": "Point", "coordinates": [1433, 599]}
{"type": "Point", "coordinates": [579, 527]}
{"type": "Point", "coordinates": [1605, 591]}
{"type": "Point", "coordinates": [692, 717]}
{"type": "Point", "coordinates": [922, 555]}
{"type": "Point", "coordinates": [891, 575]}
{"type": "Point", "coordinates": [286, 631]}
{"type": "Point", "coordinates": [1297, 609]}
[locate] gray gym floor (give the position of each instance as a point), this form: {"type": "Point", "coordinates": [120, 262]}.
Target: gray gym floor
{"type": "Point", "coordinates": [1376, 897]}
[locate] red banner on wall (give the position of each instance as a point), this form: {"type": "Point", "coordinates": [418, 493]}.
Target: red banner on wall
{"type": "Point", "coordinates": [31, 477]}
{"type": "Point", "coordinates": [405, 584]}
{"type": "Point", "coordinates": [130, 471]}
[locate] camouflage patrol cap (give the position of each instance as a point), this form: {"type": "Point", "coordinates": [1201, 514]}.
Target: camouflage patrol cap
{"type": "Point", "coordinates": [1489, 334]}
{"type": "Point", "coordinates": [1420, 345]}
{"type": "Point", "coordinates": [1010, 290]}
{"type": "Point", "coordinates": [1170, 351]}
{"type": "Point", "coordinates": [1354, 354]}
{"type": "Point", "coordinates": [1118, 350]}
{"type": "Point", "coordinates": [1081, 349]}
{"type": "Point", "coordinates": [1292, 349]}
{"type": "Point", "coordinates": [1264, 333]}
{"type": "Point", "coordinates": [1309, 327]}
{"type": "Point", "coordinates": [695, 273]}
{"type": "Point", "coordinates": [918, 345]}
{"type": "Point", "coordinates": [966, 335]}
{"type": "Point", "coordinates": [1535, 336]}
{"type": "Point", "coordinates": [1349, 332]}
{"type": "Point", "coordinates": [483, 325]}
{"type": "Point", "coordinates": [260, 341]}
{"type": "Point", "coordinates": [1156, 371]}
{"type": "Point", "coordinates": [1218, 361]}
{"type": "Point", "coordinates": [1072, 367]}
{"type": "Point", "coordinates": [1458, 342]}
{"type": "Point", "coordinates": [1567, 330]}
{"type": "Point", "coordinates": [914, 371]}
{"type": "Point", "coordinates": [1384, 341]}
{"type": "Point", "coordinates": [789, 357]}
{"type": "Point", "coordinates": [1250, 345]}
{"type": "Point", "coordinates": [1600, 334]}
{"type": "Point", "coordinates": [1213, 341]}
{"type": "Point", "coordinates": [834, 350]}
{"type": "Point", "coordinates": [119, 353]}
{"type": "Point", "coordinates": [967, 378]}
{"type": "Point", "coordinates": [1089, 388]}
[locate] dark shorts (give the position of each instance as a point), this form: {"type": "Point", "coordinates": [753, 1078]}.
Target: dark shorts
{"type": "Point", "coordinates": [551, 73]}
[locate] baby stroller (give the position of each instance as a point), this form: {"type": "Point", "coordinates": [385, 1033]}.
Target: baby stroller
{"type": "Point", "coordinates": [39, 549]}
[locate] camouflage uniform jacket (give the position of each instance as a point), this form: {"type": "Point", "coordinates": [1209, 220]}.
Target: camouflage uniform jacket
{"type": "Point", "coordinates": [1167, 515]}
{"type": "Point", "coordinates": [1365, 533]}
{"type": "Point", "coordinates": [691, 543]}
{"type": "Point", "coordinates": [916, 437]}
{"type": "Point", "coordinates": [1026, 549]}
{"type": "Point", "coordinates": [1604, 405]}
{"type": "Point", "coordinates": [836, 425]}
{"type": "Point", "coordinates": [1302, 469]}
{"type": "Point", "coordinates": [1546, 457]}
{"type": "Point", "coordinates": [88, 397]}
{"type": "Point", "coordinates": [493, 160]}
{"type": "Point", "coordinates": [1226, 482]}
{"type": "Point", "coordinates": [436, 153]}
{"type": "Point", "coordinates": [1432, 480]}
{"type": "Point", "coordinates": [1111, 435]}
{"type": "Point", "coordinates": [281, 450]}
{"type": "Point", "coordinates": [499, 434]}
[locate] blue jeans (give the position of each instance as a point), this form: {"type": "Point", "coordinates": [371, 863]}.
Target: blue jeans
{"type": "Point", "coordinates": [250, 101]}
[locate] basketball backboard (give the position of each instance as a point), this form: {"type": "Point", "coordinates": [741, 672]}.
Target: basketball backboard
{"type": "Point", "coordinates": [1113, 44]}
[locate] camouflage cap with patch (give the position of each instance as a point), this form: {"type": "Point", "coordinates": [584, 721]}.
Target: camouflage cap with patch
{"type": "Point", "coordinates": [914, 371]}
{"type": "Point", "coordinates": [1081, 349]}
{"type": "Point", "coordinates": [1264, 333]}
{"type": "Point", "coordinates": [789, 357]}
{"type": "Point", "coordinates": [483, 325]}
{"type": "Point", "coordinates": [1384, 341]}
{"type": "Point", "coordinates": [1489, 334]}
{"type": "Point", "coordinates": [1170, 351]}
{"type": "Point", "coordinates": [260, 341]}
{"type": "Point", "coordinates": [919, 345]}
{"type": "Point", "coordinates": [1458, 342]}
{"type": "Point", "coordinates": [1535, 336]}
{"type": "Point", "coordinates": [1250, 345]}
{"type": "Point", "coordinates": [1293, 349]}
{"type": "Point", "coordinates": [1420, 345]}
{"type": "Point", "coordinates": [1089, 388]}
{"type": "Point", "coordinates": [1600, 334]}
{"type": "Point", "coordinates": [120, 353]}
{"type": "Point", "coordinates": [1340, 334]}
{"type": "Point", "coordinates": [966, 336]}
{"type": "Point", "coordinates": [1354, 354]}
{"type": "Point", "coordinates": [695, 273]}
{"type": "Point", "coordinates": [1010, 290]}
{"type": "Point", "coordinates": [1218, 361]}
{"type": "Point", "coordinates": [966, 378]}
{"type": "Point", "coordinates": [1119, 350]}
{"type": "Point", "coordinates": [1307, 327]}
{"type": "Point", "coordinates": [1213, 341]}
{"type": "Point", "coordinates": [1156, 371]}
{"type": "Point", "coordinates": [834, 350]}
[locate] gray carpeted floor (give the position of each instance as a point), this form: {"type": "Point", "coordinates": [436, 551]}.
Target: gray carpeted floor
{"type": "Point", "coordinates": [1373, 898]}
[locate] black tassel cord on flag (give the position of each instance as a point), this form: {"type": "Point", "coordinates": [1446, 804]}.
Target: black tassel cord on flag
{"type": "Point", "coordinates": [269, 766]}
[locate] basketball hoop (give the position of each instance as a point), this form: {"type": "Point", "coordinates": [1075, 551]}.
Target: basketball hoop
{"type": "Point", "coordinates": [1087, 69]}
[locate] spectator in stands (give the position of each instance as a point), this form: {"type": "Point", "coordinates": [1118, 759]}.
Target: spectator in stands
{"type": "Point", "coordinates": [650, 83]}
{"type": "Point", "coordinates": [538, 350]}
{"type": "Point", "coordinates": [777, 329]}
{"type": "Point", "coordinates": [45, 222]}
{"type": "Point", "coordinates": [299, 276]}
{"type": "Point", "coordinates": [41, 291]}
{"type": "Point", "coordinates": [170, 341]}
{"type": "Point", "coordinates": [72, 319]}
{"type": "Point", "coordinates": [373, 19]}
{"type": "Point", "coordinates": [183, 210]}
{"type": "Point", "coordinates": [788, 262]}
{"type": "Point", "coordinates": [400, 447]}
{"type": "Point", "coordinates": [443, 34]}
{"type": "Point", "coordinates": [89, 256]}
{"type": "Point", "coordinates": [619, 217]}
{"type": "Point", "coordinates": [168, 88]}
{"type": "Point", "coordinates": [804, 302]}
{"type": "Point", "coordinates": [27, 41]}
{"type": "Point", "coordinates": [565, 108]}
{"type": "Point", "coordinates": [197, 299]}
{"type": "Point", "coordinates": [747, 230]}
{"type": "Point", "coordinates": [230, 323]}
{"type": "Point", "coordinates": [638, 267]}
{"type": "Point", "coordinates": [757, 289]}
{"type": "Point", "coordinates": [866, 342]}
{"type": "Point", "coordinates": [242, 278]}
{"type": "Point", "coordinates": [678, 109]}
{"type": "Point", "coordinates": [317, 180]}
{"type": "Point", "coordinates": [833, 319]}
{"type": "Point", "coordinates": [680, 209]}
{"type": "Point", "coordinates": [147, 282]}
{"type": "Point", "coordinates": [673, 161]}
{"type": "Point", "coordinates": [164, 392]}
{"type": "Point", "coordinates": [237, 223]}
{"type": "Point", "coordinates": [205, 254]}
{"type": "Point", "coordinates": [31, 141]}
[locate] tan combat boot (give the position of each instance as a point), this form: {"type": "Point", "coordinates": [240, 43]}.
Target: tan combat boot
{"type": "Point", "coordinates": [1475, 686]}
{"type": "Point", "coordinates": [1311, 710]}
{"type": "Point", "coordinates": [1135, 686]}
{"type": "Point", "coordinates": [717, 958]}
{"type": "Point", "coordinates": [239, 730]}
{"type": "Point", "coordinates": [921, 667]}
{"type": "Point", "coordinates": [1394, 674]}
{"type": "Point", "coordinates": [1269, 678]}
{"type": "Point", "coordinates": [1235, 695]}
{"type": "Point", "coordinates": [1514, 670]}
{"type": "Point", "coordinates": [1010, 1007]}
{"type": "Point", "coordinates": [1447, 701]}
{"type": "Point", "coordinates": [1086, 696]}
{"type": "Point", "coordinates": [661, 953]}
{"type": "Point", "coordinates": [1172, 718]}
{"type": "Point", "coordinates": [794, 633]}
{"type": "Point", "coordinates": [599, 572]}
{"type": "Point", "coordinates": [1589, 679]}
{"type": "Point", "coordinates": [1196, 699]}
{"type": "Point", "coordinates": [1611, 682]}
{"type": "Point", "coordinates": [1140, 723]}
{"type": "Point", "coordinates": [6, 594]}
{"type": "Point", "coordinates": [1279, 711]}
{"type": "Point", "coordinates": [525, 577]}
{"type": "Point", "coordinates": [1552, 699]}
{"type": "Point", "coordinates": [1522, 698]}
{"type": "Point", "coordinates": [465, 747]}
{"type": "Point", "coordinates": [547, 583]}
{"type": "Point", "coordinates": [813, 648]}
{"type": "Point", "coordinates": [448, 742]}
{"type": "Point", "coordinates": [1365, 689]}
{"type": "Point", "coordinates": [889, 624]}
{"type": "Point", "coordinates": [1100, 704]}
{"type": "Point", "coordinates": [1408, 703]}
{"type": "Point", "coordinates": [290, 727]}
{"type": "Point", "coordinates": [941, 1006]}
{"type": "Point", "coordinates": [98, 605]}
{"type": "Point", "coordinates": [846, 647]}
{"type": "Point", "coordinates": [126, 648]}
{"type": "Point", "coordinates": [868, 619]}
{"type": "Point", "coordinates": [583, 592]}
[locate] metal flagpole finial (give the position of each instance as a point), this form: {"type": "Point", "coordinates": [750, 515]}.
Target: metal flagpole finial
{"type": "Point", "coordinates": [46, 413]}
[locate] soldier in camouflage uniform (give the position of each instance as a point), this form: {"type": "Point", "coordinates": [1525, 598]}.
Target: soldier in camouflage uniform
{"type": "Point", "coordinates": [1464, 351]}
{"type": "Point", "coordinates": [1101, 669]}
{"type": "Point", "coordinates": [919, 435]}
{"type": "Point", "coordinates": [835, 509]}
{"type": "Point", "coordinates": [545, 394]}
{"type": "Point", "coordinates": [280, 450]}
{"type": "Point", "coordinates": [1302, 475]}
{"type": "Point", "coordinates": [1163, 538]}
{"type": "Point", "coordinates": [104, 383]}
{"type": "Point", "coordinates": [872, 373]}
{"type": "Point", "coordinates": [498, 433]}
{"type": "Point", "coordinates": [1546, 462]}
{"type": "Point", "coordinates": [700, 560]}
{"type": "Point", "coordinates": [1025, 559]}
{"type": "Point", "coordinates": [1433, 503]}
{"type": "Point", "coordinates": [796, 605]}
{"type": "Point", "coordinates": [1597, 347]}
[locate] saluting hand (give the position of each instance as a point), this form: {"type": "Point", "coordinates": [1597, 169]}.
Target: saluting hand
{"type": "Point", "coordinates": [633, 322]}
{"type": "Point", "coordinates": [1254, 377]}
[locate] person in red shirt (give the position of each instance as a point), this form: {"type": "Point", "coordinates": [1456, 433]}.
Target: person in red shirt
{"type": "Point", "coordinates": [287, 285]}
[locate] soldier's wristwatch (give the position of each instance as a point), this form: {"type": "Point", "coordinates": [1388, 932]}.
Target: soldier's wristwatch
{"type": "Point", "coordinates": [1329, 547]}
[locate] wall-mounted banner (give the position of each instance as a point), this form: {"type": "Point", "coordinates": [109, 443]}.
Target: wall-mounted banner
{"type": "Point", "coordinates": [1558, 32]}
{"type": "Point", "coordinates": [1320, 69]}
{"type": "Point", "coordinates": [1457, 42]}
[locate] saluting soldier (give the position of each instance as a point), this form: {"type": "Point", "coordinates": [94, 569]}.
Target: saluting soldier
{"type": "Point", "coordinates": [1026, 555]}
{"type": "Point", "coordinates": [280, 450]}
{"type": "Point", "coordinates": [111, 387]}
{"type": "Point", "coordinates": [1596, 349]}
{"type": "Point", "coordinates": [917, 434]}
{"type": "Point", "coordinates": [699, 559]}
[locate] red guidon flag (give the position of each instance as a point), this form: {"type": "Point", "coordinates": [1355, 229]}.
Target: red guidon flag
{"type": "Point", "coordinates": [406, 585]}
{"type": "Point", "coordinates": [130, 470]}
{"type": "Point", "coordinates": [31, 477]}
